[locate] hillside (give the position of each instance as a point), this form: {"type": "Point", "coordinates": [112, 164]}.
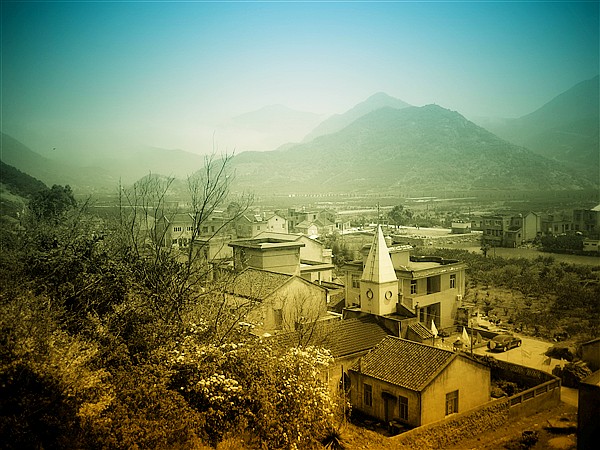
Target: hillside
{"type": "Point", "coordinates": [565, 129]}
{"type": "Point", "coordinates": [338, 122]}
{"type": "Point", "coordinates": [397, 150]}
{"type": "Point", "coordinates": [15, 188]}
{"type": "Point", "coordinates": [85, 179]}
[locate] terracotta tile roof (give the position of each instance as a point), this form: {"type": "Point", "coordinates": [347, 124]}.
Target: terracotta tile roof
{"type": "Point", "coordinates": [342, 338]}
{"type": "Point", "coordinates": [404, 363]}
{"type": "Point", "coordinates": [256, 284]}
{"type": "Point", "coordinates": [420, 330]}
{"type": "Point", "coordinates": [352, 336]}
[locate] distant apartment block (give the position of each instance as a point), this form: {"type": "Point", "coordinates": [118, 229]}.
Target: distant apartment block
{"type": "Point", "coordinates": [510, 230]}
{"type": "Point", "coordinates": [587, 221]}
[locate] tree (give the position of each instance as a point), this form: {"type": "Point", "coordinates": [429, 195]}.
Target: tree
{"type": "Point", "coordinates": [400, 216]}
{"type": "Point", "coordinates": [50, 205]}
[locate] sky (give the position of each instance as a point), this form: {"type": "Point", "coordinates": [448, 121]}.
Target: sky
{"type": "Point", "coordinates": [93, 76]}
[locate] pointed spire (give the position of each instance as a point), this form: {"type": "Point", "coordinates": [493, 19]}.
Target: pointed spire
{"type": "Point", "coordinates": [379, 267]}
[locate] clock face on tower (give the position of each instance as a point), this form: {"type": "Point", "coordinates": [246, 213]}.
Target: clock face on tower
{"type": "Point", "coordinates": [388, 295]}
{"type": "Point", "coordinates": [369, 294]}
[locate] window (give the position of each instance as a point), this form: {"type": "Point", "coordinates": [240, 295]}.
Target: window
{"type": "Point", "coordinates": [413, 286]}
{"type": "Point", "coordinates": [403, 407]}
{"type": "Point", "coordinates": [368, 394]}
{"type": "Point", "coordinates": [452, 281]}
{"type": "Point", "coordinates": [177, 228]}
{"type": "Point", "coordinates": [355, 281]}
{"type": "Point", "coordinates": [174, 242]}
{"type": "Point", "coordinates": [452, 402]}
{"type": "Point", "coordinates": [189, 228]}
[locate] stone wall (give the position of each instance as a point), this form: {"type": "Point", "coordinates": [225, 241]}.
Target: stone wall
{"type": "Point", "coordinates": [451, 431]}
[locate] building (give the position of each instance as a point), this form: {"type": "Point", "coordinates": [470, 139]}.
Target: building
{"type": "Point", "coordinates": [587, 221]}
{"type": "Point", "coordinates": [179, 229]}
{"type": "Point", "coordinates": [553, 224]}
{"type": "Point", "coordinates": [311, 223]}
{"type": "Point", "coordinates": [285, 253]}
{"type": "Point", "coordinates": [590, 353]}
{"type": "Point", "coordinates": [460, 227]}
{"type": "Point", "coordinates": [588, 410]}
{"type": "Point", "coordinates": [416, 384]}
{"type": "Point", "coordinates": [274, 302]}
{"type": "Point", "coordinates": [510, 230]}
{"type": "Point", "coordinates": [175, 230]}
{"type": "Point", "coordinates": [591, 245]}
{"type": "Point", "coordinates": [391, 283]}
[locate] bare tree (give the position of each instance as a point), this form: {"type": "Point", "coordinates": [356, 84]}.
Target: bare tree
{"type": "Point", "coordinates": [174, 277]}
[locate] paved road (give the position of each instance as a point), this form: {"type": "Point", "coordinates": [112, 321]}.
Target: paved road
{"type": "Point", "coordinates": [530, 354]}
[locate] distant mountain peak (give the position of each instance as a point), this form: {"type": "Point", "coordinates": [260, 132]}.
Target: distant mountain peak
{"type": "Point", "coordinates": [338, 122]}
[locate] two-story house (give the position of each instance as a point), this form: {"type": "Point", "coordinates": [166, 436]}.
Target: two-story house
{"type": "Point", "coordinates": [391, 283]}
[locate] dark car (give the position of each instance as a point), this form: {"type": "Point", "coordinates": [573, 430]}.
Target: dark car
{"type": "Point", "coordinates": [504, 342]}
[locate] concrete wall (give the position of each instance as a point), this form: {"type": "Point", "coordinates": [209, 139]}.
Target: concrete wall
{"type": "Point", "coordinates": [470, 379]}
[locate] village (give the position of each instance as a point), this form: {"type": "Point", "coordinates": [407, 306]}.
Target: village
{"type": "Point", "coordinates": [417, 358]}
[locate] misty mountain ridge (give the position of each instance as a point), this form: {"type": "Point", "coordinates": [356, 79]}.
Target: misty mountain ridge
{"type": "Point", "coordinates": [338, 122]}
{"type": "Point", "coordinates": [394, 146]}
{"type": "Point", "coordinates": [425, 147]}
{"type": "Point", "coordinates": [266, 128]}
{"type": "Point", "coordinates": [565, 129]}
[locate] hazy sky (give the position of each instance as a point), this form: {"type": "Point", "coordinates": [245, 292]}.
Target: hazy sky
{"type": "Point", "coordinates": [106, 74]}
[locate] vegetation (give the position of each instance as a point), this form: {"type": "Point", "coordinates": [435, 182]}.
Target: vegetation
{"type": "Point", "coordinates": [109, 339]}
{"type": "Point", "coordinates": [544, 297]}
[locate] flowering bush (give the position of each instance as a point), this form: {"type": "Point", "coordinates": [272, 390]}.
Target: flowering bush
{"type": "Point", "coordinates": [282, 397]}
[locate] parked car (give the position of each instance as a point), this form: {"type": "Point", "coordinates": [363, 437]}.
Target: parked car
{"type": "Point", "coordinates": [504, 342]}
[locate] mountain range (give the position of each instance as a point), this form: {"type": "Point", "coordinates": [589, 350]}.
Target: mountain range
{"type": "Point", "coordinates": [405, 149]}
{"type": "Point", "coordinates": [380, 144]}
{"type": "Point", "coordinates": [565, 129]}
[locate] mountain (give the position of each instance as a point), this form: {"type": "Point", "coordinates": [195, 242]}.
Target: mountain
{"type": "Point", "coordinates": [400, 150]}
{"type": "Point", "coordinates": [85, 179]}
{"type": "Point", "coordinates": [102, 171]}
{"type": "Point", "coordinates": [15, 188]}
{"type": "Point", "coordinates": [565, 129]}
{"type": "Point", "coordinates": [135, 163]}
{"type": "Point", "coordinates": [339, 121]}
{"type": "Point", "coordinates": [266, 129]}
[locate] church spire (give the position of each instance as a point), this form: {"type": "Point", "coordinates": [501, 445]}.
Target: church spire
{"type": "Point", "coordinates": [379, 268]}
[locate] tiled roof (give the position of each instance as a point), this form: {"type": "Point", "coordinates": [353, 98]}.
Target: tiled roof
{"type": "Point", "coordinates": [256, 284]}
{"type": "Point", "coordinates": [420, 330]}
{"type": "Point", "coordinates": [352, 336]}
{"type": "Point", "coordinates": [342, 338]}
{"type": "Point", "coordinates": [404, 363]}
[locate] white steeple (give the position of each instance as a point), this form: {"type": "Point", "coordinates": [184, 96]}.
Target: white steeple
{"type": "Point", "coordinates": [379, 268]}
{"type": "Point", "coordinates": [379, 285]}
